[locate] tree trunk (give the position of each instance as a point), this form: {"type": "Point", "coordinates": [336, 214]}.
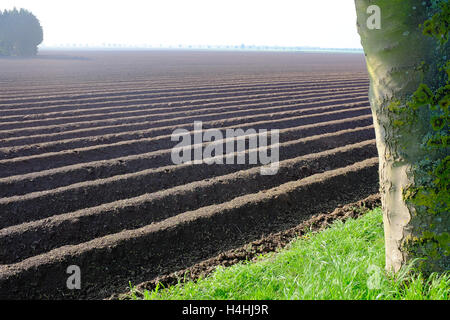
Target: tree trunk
{"type": "Point", "coordinates": [399, 59]}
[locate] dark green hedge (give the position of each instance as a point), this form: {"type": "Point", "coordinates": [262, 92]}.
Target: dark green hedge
{"type": "Point", "coordinates": [20, 33]}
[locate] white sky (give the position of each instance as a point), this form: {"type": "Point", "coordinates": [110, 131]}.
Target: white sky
{"type": "Point", "coordinates": [318, 23]}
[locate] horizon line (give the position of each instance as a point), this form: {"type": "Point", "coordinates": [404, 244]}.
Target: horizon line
{"type": "Point", "coordinates": [121, 47]}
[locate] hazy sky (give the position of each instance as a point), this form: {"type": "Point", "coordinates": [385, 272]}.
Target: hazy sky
{"type": "Point", "coordinates": [322, 23]}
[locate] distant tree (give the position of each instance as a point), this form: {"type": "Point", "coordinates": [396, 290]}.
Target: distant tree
{"type": "Point", "coordinates": [20, 33]}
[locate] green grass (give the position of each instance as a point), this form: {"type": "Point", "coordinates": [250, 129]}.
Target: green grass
{"type": "Point", "coordinates": [345, 261]}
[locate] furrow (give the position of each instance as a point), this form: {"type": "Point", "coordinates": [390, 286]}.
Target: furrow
{"type": "Point", "coordinates": [171, 98]}
{"type": "Point", "coordinates": [23, 241]}
{"type": "Point", "coordinates": [39, 205]}
{"type": "Point", "coordinates": [127, 117]}
{"type": "Point", "coordinates": [47, 161]}
{"type": "Point", "coordinates": [110, 262]}
{"type": "Point", "coordinates": [114, 124]}
{"type": "Point", "coordinates": [54, 178]}
{"type": "Point", "coordinates": [66, 144]}
{"type": "Point", "coordinates": [114, 93]}
{"type": "Point", "coordinates": [186, 110]}
{"type": "Point", "coordinates": [143, 85]}
{"type": "Point", "coordinates": [25, 115]}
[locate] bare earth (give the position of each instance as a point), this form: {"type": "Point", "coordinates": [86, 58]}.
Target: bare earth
{"type": "Point", "coordinates": [86, 176]}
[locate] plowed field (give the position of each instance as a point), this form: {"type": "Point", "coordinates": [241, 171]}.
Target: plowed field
{"type": "Point", "coordinates": [86, 176]}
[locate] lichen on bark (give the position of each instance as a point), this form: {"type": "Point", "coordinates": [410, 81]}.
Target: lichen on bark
{"type": "Point", "coordinates": [408, 69]}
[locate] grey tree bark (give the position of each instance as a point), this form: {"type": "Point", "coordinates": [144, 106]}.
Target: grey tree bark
{"type": "Point", "coordinates": [400, 60]}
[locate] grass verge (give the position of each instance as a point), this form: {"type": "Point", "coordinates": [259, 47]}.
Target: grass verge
{"type": "Point", "coordinates": [345, 261]}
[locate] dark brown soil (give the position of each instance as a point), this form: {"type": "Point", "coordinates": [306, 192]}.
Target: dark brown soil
{"type": "Point", "coordinates": [40, 205]}
{"type": "Point", "coordinates": [252, 250]}
{"type": "Point", "coordinates": [342, 105]}
{"type": "Point", "coordinates": [39, 236]}
{"type": "Point", "coordinates": [86, 175]}
{"type": "Point", "coordinates": [64, 176]}
{"type": "Point", "coordinates": [110, 262]}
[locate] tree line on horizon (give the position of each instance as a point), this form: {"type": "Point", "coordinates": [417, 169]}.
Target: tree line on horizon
{"type": "Point", "coordinates": [20, 33]}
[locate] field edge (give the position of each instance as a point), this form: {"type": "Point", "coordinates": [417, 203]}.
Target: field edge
{"type": "Point", "coordinates": [251, 251]}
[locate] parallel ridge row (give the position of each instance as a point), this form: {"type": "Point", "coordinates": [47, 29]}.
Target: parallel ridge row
{"type": "Point", "coordinates": [87, 177]}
